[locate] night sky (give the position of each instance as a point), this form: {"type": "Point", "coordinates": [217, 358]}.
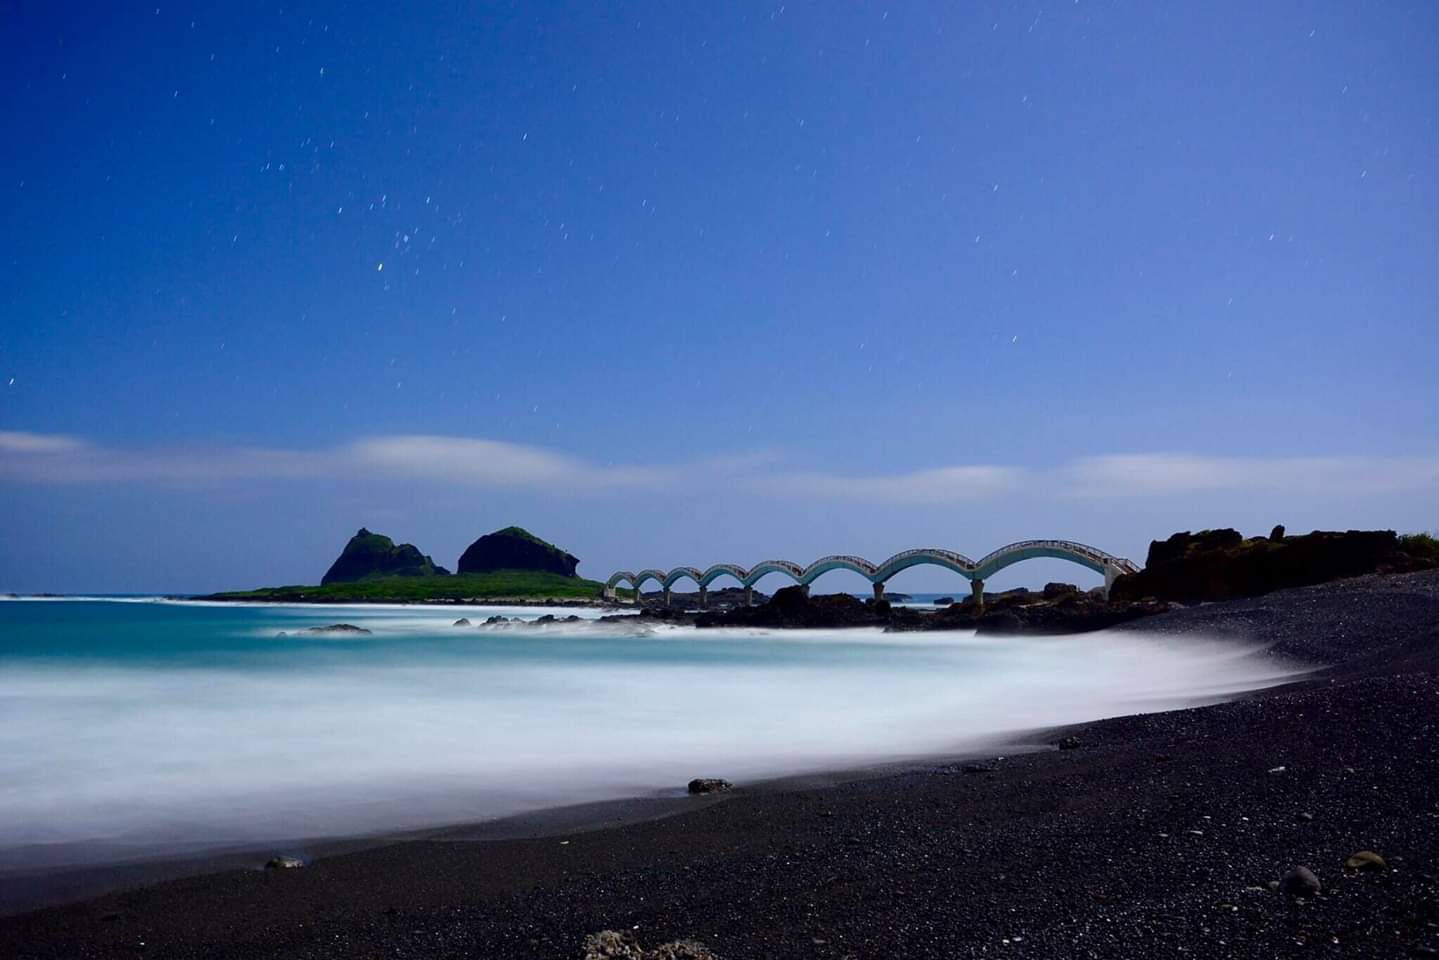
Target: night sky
{"type": "Point", "coordinates": [685, 283]}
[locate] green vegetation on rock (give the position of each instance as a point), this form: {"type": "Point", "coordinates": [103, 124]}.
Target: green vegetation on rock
{"type": "Point", "coordinates": [495, 585]}
{"type": "Point", "coordinates": [371, 555]}
{"type": "Point", "coordinates": [1420, 546]}
{"type": "Point", "coordinates": [515, 548]}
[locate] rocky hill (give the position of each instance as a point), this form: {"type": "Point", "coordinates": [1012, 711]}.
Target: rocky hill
{"type": "Point", "coordinates": [515, 548]}
{"type": "Point", "coordinates": [1222, 564]}
{"type": "Point", "coordinates": [369, 555]}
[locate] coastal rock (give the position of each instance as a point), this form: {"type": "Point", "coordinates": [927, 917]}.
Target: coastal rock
{"type": "Point", "coordinates": [618, 945]}
{"type": "Point", "coordinates": [612, 945]}
{"type": "Point", "coordinates": [1053, 591]}
{"type": "Point", "coordinates": [336, 628]}
{"type": "Point", "coordinates": [462, 622]}
{"type": "Point", "coordinates": [1299, 881]}
{"type": "Point", "coordinates": [284, 863]}
{"type": "Point", "coordinates": [1222, 565]}
{"type": "Point", "coordinates": [1365, 860]}
{"type": "Point", "coordinates": [791, 607]}
{"type": "Point", "coordinates": [370, 555]}
{"type": "Point", "coordinates": [515, 548]}
{"type": "Point", "coordinates": [944, 601]}
{"type": "Point", "coordinates": [701, 785]}
{"type": "Point", "coordinates": [1069, 743]}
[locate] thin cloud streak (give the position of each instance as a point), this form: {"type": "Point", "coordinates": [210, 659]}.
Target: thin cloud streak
{"type": "Point", "coordinates": [1165, 474]}
{"type": "Point", "coordinates": [475, 462]}
{"type": "Point", "coordinates": [934, 486]}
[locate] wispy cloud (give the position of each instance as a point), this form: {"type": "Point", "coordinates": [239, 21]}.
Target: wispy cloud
{"type": "Point", "coordinates": [495, 464]}
{"type": "Point", "coordinates": [1160, 474]}
{"type": "Point", "coordinates": [14, 441]}
{"type": "Point", "coordinates": [934, 486]}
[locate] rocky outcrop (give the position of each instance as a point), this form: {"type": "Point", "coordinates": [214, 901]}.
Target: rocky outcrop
{"type": "Point", "coordinates": [515, 548]}
{"type": "Point", "coordinates": [369, 555]}
{"type": "Point", "coordinates": [791, 607]}
{"type": "Point", "coordinates": [1223, 565]}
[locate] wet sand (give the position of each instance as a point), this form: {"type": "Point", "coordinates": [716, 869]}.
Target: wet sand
{"type": "Point", "coordinates": [1157, 836]}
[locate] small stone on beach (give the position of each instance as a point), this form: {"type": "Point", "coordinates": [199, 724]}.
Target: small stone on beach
{"type": "Point", "coordinates": [1366, 860]}
{"type": "Point", "coordinates": [1299, 881]}
{"type": "Point", "coordinates": [283, 863]}
{"type": "Point", "coordinates": [701, 785]}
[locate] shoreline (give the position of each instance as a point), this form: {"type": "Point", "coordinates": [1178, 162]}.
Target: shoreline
{"type": "Point", "coordinates": [1158, 835]}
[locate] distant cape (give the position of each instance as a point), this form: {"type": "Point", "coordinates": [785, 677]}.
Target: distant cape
{"type": "Point", "coordinates": [370, 555]}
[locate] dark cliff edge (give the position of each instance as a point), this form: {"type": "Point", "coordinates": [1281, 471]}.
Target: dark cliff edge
{"type": "Point", "coordinates": [1223, 565]}
{"type": "Point", "coordinates": [515, 548]}
{"type": "Point", "coordinates": [376, 555]}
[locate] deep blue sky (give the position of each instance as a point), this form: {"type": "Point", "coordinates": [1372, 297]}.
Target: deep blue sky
{"type": "Point", "coordinates": [743, 275]}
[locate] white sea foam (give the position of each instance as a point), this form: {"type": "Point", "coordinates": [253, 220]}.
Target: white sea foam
{"type": "Point", "coordinates": [480, 723]}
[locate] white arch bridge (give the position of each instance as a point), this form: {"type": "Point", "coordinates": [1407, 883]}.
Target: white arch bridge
{"type": "Point", "coordinates": [976, 572]}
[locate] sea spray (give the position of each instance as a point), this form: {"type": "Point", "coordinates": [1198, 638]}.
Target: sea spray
{"type": "Point", "coordinates": [140, 729]}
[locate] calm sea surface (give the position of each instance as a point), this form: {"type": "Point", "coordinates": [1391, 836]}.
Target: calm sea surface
{"type": "Point", "coordinates": [139, 727]}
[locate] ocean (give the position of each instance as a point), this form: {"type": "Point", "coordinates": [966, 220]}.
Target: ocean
{"type": "Point", "coordinates": [140, 727]}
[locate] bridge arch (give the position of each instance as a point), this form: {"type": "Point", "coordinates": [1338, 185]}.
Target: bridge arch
{"type": "Point", "coordinates": [922, 556]}
{"type": "Point", "coordinates": [1008, 555]}
{"type": "Point", "coordinates": [723, 570]}
{"type": "Point", "coordinates": [837, 561]}
{"type": "Point", "coordinates": [792, 570]}
{"type": "Point", "coordinates": [1107, 565]}
{"type": "Point", "coordinates": [679, 573]}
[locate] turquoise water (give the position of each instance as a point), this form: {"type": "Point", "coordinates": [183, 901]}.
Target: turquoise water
{"type": "Point", "coordinates": [139, 727]}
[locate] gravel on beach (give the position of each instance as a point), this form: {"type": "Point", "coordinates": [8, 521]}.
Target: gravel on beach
{"type": "Point", "coordinates": [1162, 835]}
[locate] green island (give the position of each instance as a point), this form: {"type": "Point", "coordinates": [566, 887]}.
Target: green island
{"type": "Point", "coordinates": [509, 564]}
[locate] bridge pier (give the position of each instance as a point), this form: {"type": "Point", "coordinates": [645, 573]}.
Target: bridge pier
{"type": "Point", "coordinates": [976, 590]}
{"type": "Point", "coordinates": [609, 593]}
{"type": "Point", "coordinates": [1111, 574]}
{"type": "Point", "coordinates": [749, 596]}
{"type": "Point", "coordinates": [804, 589]}
{"type": "Point", "coordinates": [667, 596]}
{"type": "Point", "coordinates": [704, 597]}
{"type": "Point", "coordinates": [879, 591]}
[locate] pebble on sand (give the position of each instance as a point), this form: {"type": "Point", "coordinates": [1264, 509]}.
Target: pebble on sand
{"type": "Point", "coordinates": [1299, 881]}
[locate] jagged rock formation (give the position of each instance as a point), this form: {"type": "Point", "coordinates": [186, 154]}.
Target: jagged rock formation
{"type": "Point", "coordinates": [515, 548]}
{"type": "Point", "coordinates": [1222, 565]}
{"type": "Point", "coordinates": [369, 555]}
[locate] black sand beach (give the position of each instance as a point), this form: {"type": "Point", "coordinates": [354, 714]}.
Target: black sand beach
{"type": "Point", "coordinates": [1157, 836]}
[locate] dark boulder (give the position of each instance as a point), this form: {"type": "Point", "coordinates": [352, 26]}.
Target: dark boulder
{"type": "Point", "coordinates": [944, 602]}
{"type": "Point", "coordinates": [792, 607]}
{"type": "Point", "coordinates": [1299, 881]}
{"type": "Point", "coordinates": [1222, 565]}
{"type": "Point", "coordinates": [1053, 591]}
{"type": "Point", "coordinates": [370, 555]}
{"type": "Point", "coordinates": [337, 628]}
{"type": "Point", "coordinates": [515, 548]}
{"type": "Point", "coordinates": [701, 785]}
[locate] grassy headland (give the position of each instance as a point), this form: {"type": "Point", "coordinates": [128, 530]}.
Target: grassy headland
{"type": "Point", "coordinates": [496, 584]}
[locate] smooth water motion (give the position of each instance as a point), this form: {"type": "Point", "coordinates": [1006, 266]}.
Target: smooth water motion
{"type": "Point", "coordinates": [143, 728]}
